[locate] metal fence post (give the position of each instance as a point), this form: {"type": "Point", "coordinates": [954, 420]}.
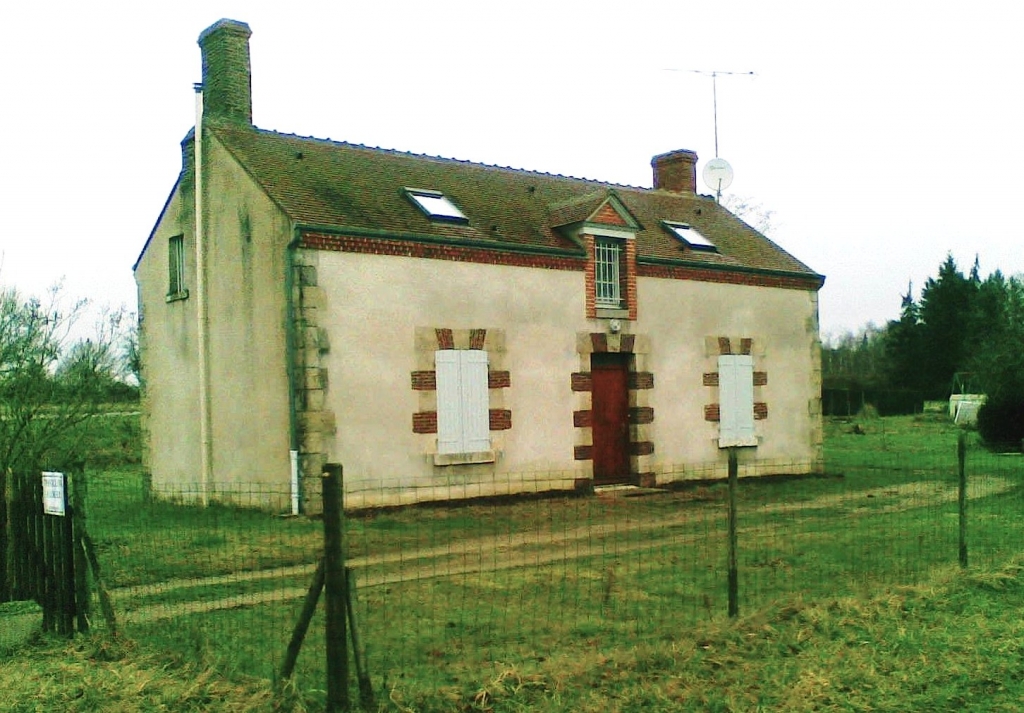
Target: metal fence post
{"type": "Point", "coordinates": [335, 588]}
{"type": "Point", "coordinates": [734, 605]}
{"type": "Point", "coordinates": [961, 457]}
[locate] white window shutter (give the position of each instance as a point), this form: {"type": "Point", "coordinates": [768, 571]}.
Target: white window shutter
{"type": "Point", "coordinates": [449, 400]}
{"type": "Point", "coordinates": [736, 400]}
{"type": "Point", "coordinates": [476, 422]}
{"type": "Point", "coordinates": [463, 401]}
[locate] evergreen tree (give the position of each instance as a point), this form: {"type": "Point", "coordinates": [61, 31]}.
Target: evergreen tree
{"type": "Point", "coordinates": [997, 356]}
{"type": "Point", "coordinates": [903, 341]}
{"type": "Point", "coordinates": [946, 314]}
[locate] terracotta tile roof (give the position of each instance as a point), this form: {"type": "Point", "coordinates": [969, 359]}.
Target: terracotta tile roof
{"type": "Point", "coordinates": [342, 186]}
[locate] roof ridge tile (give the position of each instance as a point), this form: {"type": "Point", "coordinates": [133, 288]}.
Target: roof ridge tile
{"type": "Point", "coordinates": [435, 157]}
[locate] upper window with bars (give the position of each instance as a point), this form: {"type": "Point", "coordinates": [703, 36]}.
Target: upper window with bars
{"type": "Point", "coordinates": [607, 270]}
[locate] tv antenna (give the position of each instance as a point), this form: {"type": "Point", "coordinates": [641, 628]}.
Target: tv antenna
{"type": "Point", "coordinates": [717, 173]}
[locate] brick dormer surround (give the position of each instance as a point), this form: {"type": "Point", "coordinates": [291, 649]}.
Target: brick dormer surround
{"type": "Point", "coordinates": [627, 272]}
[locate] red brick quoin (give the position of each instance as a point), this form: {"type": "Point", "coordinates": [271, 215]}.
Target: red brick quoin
{"type": "Point", "coordinates": [500, 419]}
{"type": "Point", "coordinates": [498, 380]}
{"type": "Point", "coordinates": [424, 381]}
{"type": "Point", "coordinates": [445, 339]}
{"type": "Point", "coordinates": [424, 422]}
{"type": "Point", "coordinates": [581, 381]}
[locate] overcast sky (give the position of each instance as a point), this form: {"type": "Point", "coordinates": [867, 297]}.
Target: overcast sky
{"type": "Point", "coordinates": [882, 135]}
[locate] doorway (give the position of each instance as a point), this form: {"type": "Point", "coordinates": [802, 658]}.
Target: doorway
{"type": "Point", "coordinates": [610, 416]}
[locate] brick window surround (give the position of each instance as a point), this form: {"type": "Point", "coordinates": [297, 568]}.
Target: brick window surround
{"type": "Point", "coordinates": [729, 345]}
{"type": "Point", "coordinates": [423, 381]}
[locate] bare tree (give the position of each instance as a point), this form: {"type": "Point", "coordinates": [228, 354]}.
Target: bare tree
{"type": "Point", "coordinates": [50, 383]}
{"type": "Point", "coordinates": [750, 212]}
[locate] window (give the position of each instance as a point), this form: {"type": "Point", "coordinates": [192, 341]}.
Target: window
{"type": "Point", "coordinates": [436, 205]}
{"type": "Point", "coordinates": [690, 236]}
{"type": "Point", "coordinates": [607, 258]}
{"type": "Point", "coordinates": [176, 268]}
{"type": "Point", "coordinates": [736, 400]}
{"type": "Point", "coordinates": [463, 414]}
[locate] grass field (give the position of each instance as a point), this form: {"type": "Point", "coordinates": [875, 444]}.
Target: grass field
{"type": "Point", "coordinates": [953, 644]}
{"type": "Point", "coordinates": [599, 603]}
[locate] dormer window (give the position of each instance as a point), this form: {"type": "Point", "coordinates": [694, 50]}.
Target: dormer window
{"type": "Point", "coordinates": [436, 206]}
{"type": "Point", "coordinates": [607, 262]}
{"type": "Point", "coordinates": [689, 236]}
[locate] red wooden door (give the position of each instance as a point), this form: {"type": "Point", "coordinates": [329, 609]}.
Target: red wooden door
{"type": "Point", "coordinates": [610, 420]}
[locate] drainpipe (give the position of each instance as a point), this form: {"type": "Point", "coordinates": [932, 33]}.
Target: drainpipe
{"type": "Point", "coordinates": [290, 366]}
{"type": "Point", "coordinates": [203, 325]}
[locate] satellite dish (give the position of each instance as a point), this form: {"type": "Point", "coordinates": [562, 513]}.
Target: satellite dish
{"type": "Point", "coordinates": [717, 175]}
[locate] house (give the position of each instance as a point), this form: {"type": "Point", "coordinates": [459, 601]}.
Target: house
{"type": "Point", "coordinates": [446, 329]}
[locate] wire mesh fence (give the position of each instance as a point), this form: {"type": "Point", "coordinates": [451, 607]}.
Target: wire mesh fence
{"type": "Point", "coordinates": [444, 590]}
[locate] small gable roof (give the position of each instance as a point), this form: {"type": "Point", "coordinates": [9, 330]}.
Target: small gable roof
{"type": "Point", "coordinates": [601, 206]}
{"type": "Point", "coordinates": [336, 186]}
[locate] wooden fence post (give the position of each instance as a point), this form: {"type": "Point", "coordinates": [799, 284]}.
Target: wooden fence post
{"type": "Point", "coordinates": [66, 576]}
{"type": "Point", "coordinates": [22, 540]}
{"type": "Point", "coordinates": [358, 649]}
{"type": "Point", "coordinates": [105, 604]}
{"type": "Point", "coordinates": [79, 493]}
{"type": "Point", "coordinates": [961, 457]}
{"type": "Point", "coordinates": [16, 530]}
{"type": "Point", "coordinates": [44, 564]}
{"type": "Point", "coordinates": [6, 593]}
{"type": "Point", "coordinates": [335, 588]}
{"type": "Point", "coordinates": [291, 654]}
{"type": "Point", "coordinates": [734, 605]}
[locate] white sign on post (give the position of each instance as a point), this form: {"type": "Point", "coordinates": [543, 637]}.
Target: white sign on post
{"type": "Point", "coordinates": [53, 493]}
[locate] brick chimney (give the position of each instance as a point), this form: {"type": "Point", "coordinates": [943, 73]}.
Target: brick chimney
{"type": "Point", "coordinates": [675, 171]}
{"type": "Point", "coordinates": [227, 85]}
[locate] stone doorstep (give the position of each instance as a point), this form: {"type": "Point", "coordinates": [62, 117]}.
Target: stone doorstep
{"type": "Point", "coordinates": [627, 490]}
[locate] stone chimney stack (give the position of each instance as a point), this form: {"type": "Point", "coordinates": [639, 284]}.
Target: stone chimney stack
{"type": "Point", "coordinates": [675, 171]}
{"type": "Point", "coordinates": [227, 82]}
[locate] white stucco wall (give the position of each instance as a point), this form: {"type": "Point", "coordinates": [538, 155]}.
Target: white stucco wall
{"type": "Point", "coordinates": [167, 340]}
{"type": "Point", "coordinates": [246, 256]}
{"type": "Point", "coordinates": [375, 304]}
{"type": "Point", "coordinates": [683, 319]}
{"type": "Point", "coordinates": [248, 238]}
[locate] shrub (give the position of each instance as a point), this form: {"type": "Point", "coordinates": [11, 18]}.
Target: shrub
{"type": "Point", "coordinates": [1001, 420]}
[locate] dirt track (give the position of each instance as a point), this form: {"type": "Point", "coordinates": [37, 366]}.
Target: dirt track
{"type": "Point", "coordinates": [498, 553]}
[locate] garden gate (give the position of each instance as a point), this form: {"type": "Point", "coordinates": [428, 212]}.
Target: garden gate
{"type": "Point", "coordinates": [42, 557]}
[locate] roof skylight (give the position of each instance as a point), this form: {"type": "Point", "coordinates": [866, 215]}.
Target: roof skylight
{"type": "Point", "coordinates": [436, 205]}
{"type": "Point", "coordinates": [690, 236]}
